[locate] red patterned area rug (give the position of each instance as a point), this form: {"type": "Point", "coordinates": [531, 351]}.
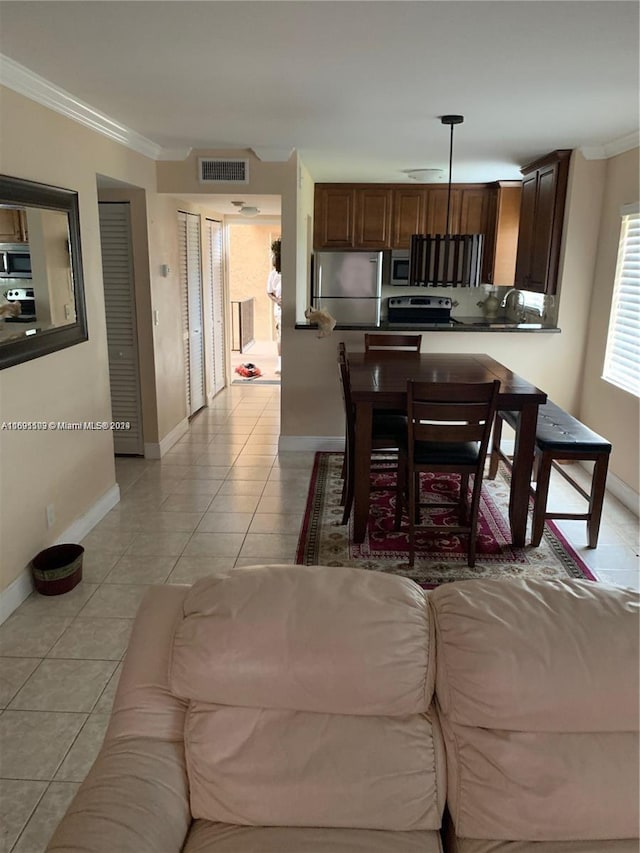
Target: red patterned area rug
{"type": "Point", "coordinates": [440, 558]}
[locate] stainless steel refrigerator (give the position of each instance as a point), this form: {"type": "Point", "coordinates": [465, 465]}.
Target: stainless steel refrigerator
{"type": "Point", "coordinates": [349, 286]}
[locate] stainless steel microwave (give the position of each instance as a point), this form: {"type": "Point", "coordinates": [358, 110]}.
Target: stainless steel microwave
{"type": "Point", "coordinates": [399, 273]}
{"type": "Point", "coordinates": [15, 261]}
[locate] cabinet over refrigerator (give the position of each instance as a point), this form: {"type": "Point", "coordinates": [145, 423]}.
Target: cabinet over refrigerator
{"type": "Point", "coordinates": [349, 286]}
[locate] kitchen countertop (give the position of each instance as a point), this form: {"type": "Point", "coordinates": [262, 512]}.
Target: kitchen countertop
{"type": "Point", "coordinates": [463, 324]}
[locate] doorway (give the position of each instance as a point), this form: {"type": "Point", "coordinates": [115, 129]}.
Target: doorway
{"type": "Point", "coordinates": [253, 338]}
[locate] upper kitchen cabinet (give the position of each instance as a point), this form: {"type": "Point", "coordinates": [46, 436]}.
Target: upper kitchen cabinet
{"type": "Point", "coordinates": [385, 216]}
{"type": "Point", "coordinates": [501, 235]}
{"type": "Point", "coordinates": [13, 225]}
{"type": "Point", "coordinates": [544, 189]}
{"type": "Point", "coordinates": [409, 215]}
{"type": "Point", "coordinates": [373, 218]}
{"type": "Point", "coordinates": [348, 216]}
{"type": "Point", "coordinates": [437, 212]}
{"type": "Point", "coordinates": [334, 216]}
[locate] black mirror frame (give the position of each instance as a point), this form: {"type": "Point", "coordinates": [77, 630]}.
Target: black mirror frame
{"type": "Point", "coordinates": [32, 194]}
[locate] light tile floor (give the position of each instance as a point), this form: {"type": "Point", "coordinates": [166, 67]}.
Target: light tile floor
{"type": "Point", "coordinates": [222, 497]}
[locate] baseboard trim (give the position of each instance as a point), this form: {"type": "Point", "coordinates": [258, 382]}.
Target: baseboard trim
{"type": "Point", "coordinates": [21, 588]}
{"type": "Point", "coordinates": [293, 443]}
{"type": "Point", "coordinates": [12, 597]}
{"type": "Point", "coordinates": [156, 450]}
{"type": "Point", "coordinates": [624, 493]}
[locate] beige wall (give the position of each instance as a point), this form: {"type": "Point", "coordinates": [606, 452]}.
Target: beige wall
{"type": "Point", "coordinates": [249, 265]}
{"type": "Point", "coordinates": [607, 409]}
{"type": "Point", "coordinates": [72, 470]}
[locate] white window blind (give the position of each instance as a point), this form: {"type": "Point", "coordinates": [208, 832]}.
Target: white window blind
{"type": "Point", "coordinates": [622, 357]}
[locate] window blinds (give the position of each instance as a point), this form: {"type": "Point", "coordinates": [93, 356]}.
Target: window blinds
{"type": "Point", "coordinates": [622, 358]}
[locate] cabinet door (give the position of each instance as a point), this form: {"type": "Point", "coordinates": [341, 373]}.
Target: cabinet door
{"type": "Point", "coordinates": [473, 211]}
{"type": "Point", "coordinates": [506, 236]}
{"type": "Point", "coordinates": [373, 218]}
{"type": "Point", "coordinates": [544, 190]}
{"type": "Point", "coordinates": [542, 228]}
{"type": "Point", "coordinates": [409, 216]}
{"type": "Point", "coordinates": [13, 225]}
{"type": "Point", "coordinates": [437, 211]}
{"type": "Point", "coordinates": [525, 234]}
{"type": "Point", "coordinates": [490, 236]}
{"type": "Point", "coordinates": [334, 218]}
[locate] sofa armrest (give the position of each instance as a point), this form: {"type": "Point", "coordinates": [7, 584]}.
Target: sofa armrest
{"type": "Point", "coordinates": [135, 799]}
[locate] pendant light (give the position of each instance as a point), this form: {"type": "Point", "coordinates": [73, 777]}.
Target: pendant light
{"type": "Point", "coordinates": [451, 121]}
{"type": "Point", "coordinates": [449, 260]}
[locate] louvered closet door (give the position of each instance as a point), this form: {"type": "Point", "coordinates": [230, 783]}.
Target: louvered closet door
{"type": "Point", "coordinates": [119, 299]}
{"type": "Point", "coordinates": [216, 290]}
{"type": "Point", "coordinates": [191, 284]}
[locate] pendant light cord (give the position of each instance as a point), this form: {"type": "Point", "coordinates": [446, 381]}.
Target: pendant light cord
{"type": "Point", "coordinates": [449, 188]}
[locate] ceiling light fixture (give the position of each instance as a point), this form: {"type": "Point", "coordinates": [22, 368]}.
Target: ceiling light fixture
{"type": "Point", "coordinates": [451, 259]}
{"type": "Point", "coordinates": [425, 176]}
{"type": "Point", "coordinates": [245, 209]}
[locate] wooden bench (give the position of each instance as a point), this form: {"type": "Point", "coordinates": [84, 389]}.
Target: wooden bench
{"type": "Point", "coordinates": [559, 438]}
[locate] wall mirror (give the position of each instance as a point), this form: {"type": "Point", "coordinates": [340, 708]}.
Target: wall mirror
{"type": "Point", "coordinates": [42, 305]}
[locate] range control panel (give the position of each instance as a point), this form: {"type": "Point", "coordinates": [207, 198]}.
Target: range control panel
{"type": "Point", "coordinates": [419, 309]}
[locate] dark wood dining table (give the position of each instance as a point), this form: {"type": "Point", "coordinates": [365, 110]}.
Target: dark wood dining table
{"type": "Point", "coordinates": [379, 380]}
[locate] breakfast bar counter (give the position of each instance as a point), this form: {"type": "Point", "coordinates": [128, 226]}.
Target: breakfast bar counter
{"type": "Point", "coordinates": [455, 324]}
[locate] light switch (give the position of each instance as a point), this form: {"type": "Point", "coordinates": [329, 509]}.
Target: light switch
{"type": "Point", "coordinates": [165, 269]}
{"type": "Point", "coordinates": [156, 317]}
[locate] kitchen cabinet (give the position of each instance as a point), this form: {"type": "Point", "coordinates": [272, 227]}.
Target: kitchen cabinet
{"type": "Point", "coordinates": [373, 218]}
{"type": "Point", "coordinates": [13, 225]}
{"type": "Point", "coordinates": [437, 212]}
{"type": "Point", "coordinates": [544, 189]}
{"type": "Point", "coordinates": [385, 216]}
{"type": "Point", "coordinates": [409, 215]}
{"type": "Point", "coordinates": [334, 217]}
{"type": "Point", "coordinates": [501, 234]}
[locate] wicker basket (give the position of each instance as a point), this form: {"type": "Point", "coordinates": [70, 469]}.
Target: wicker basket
{"type": "Point", "coordinates": [57, 569]}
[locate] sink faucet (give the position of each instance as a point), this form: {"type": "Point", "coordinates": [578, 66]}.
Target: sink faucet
{"type": "Point", "coordinates": [513, 303]}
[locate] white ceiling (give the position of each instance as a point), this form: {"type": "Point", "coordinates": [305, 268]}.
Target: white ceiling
{"type": "Point", "coordinates": [356, 87]}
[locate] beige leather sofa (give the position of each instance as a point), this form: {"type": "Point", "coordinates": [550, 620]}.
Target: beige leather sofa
{"type": "Point", "coordinates": [332, 710]}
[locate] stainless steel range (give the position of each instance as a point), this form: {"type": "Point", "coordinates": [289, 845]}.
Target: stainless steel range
{"type": "Point", "coordinates": [420, 311]}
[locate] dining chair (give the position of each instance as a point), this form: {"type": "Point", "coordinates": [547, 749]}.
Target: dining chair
{"type": "Point", "coordinates": [448, 429]}
{"type": "Point", "coordinates": [407, 344]}
{"type": "Point", "coordinates": [387, 431]}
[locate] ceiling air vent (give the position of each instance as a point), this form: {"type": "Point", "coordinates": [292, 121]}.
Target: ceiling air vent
{"type": "Point", "coordinates": [223, 171]}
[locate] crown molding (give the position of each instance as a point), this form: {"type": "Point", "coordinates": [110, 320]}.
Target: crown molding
{"type": "Point", "coordinates": [610, 149]}
{"type": "Point", "coordinates": [31, 85]}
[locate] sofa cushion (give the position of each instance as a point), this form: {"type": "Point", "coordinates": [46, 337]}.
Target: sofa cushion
{"type": "Point", "coordinates": [309, 691]}
{"type": "Point", "coordinates": [207, 837]}
{"type": "Point", "coordinates": [537, 688]}
{"type": "Point", "coordinates": [287, 768]}
{"type": "Point", "coordinates": [498, 641]}
{"type": "Point", "coordinates": [477, 845]}
{"type": "Point", "coordinates": [306, 638]}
